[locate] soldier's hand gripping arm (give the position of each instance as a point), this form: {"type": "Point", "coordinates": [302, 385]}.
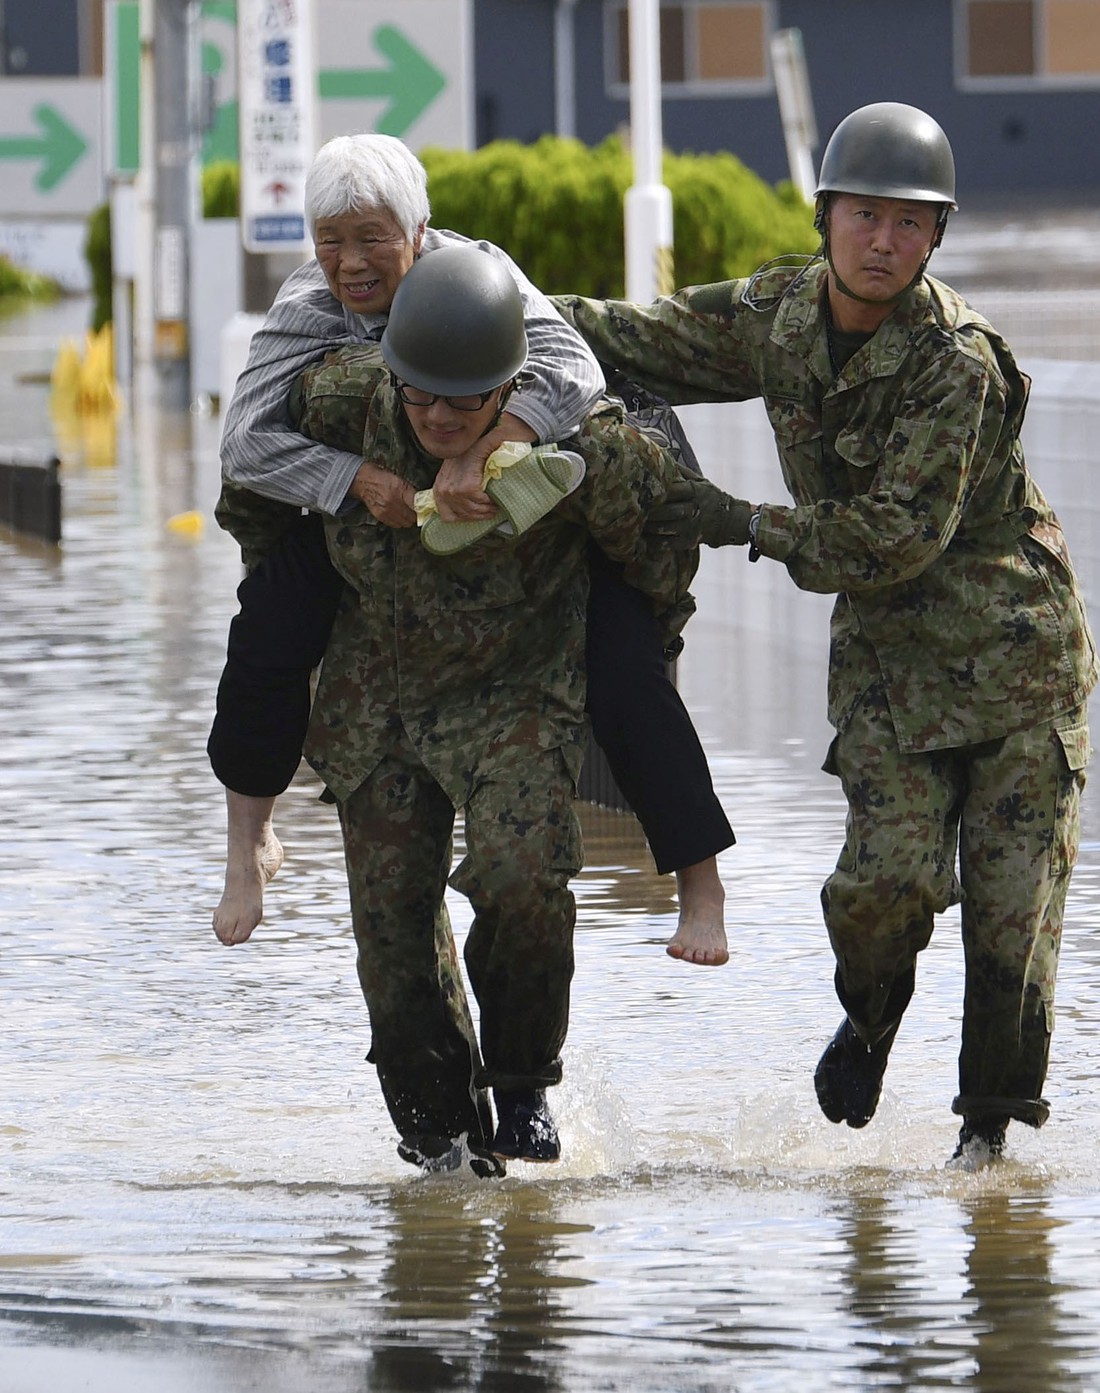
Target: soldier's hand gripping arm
{"type": "Point", "coordinates": [695, 511]}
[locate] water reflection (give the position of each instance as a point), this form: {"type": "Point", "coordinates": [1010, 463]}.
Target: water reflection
{"type": "Point", "coordinates": [964, 1297]}
{"type": "Point", "coordinates": [471, 1300]}
{"type": "Point", "coordinates": [1022, 1336]}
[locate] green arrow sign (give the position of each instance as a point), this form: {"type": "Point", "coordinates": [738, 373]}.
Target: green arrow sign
{"type": "Point", "coordinates": [409, 81]}
{"type": "Point", "coordinates": [59, 147]}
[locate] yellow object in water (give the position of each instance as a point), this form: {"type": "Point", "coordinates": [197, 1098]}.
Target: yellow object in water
{"type": "Point", "coordinates": [85, 382]}
{"type": "Point", "coordinates": [65, 377]}
{"type": "Point", "coordinates": [98, 391]}
{"type": "Point", "coordinates": [188, 524]}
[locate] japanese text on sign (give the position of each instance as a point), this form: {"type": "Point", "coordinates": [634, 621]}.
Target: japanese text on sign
{"type": "Point", "coordinates": [276, 121]}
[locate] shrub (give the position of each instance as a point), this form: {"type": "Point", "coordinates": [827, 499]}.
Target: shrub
{"type": "Point", "coordinates": [557, 208]}
{"type": "Point", "coordinates": [221, 189]}
{"type": "Point", "coordinates": [97, 253]}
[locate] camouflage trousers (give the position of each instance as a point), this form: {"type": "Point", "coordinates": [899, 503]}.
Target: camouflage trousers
{"type": "Point", "coordinates": [523, 846]}
{"type": "Point", "coordinates": [1006, 812]}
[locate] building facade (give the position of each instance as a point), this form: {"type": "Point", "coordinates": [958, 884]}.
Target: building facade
{"type": "Point", "coordinates": [1016, 83]}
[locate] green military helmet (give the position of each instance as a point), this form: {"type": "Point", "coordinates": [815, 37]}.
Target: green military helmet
{"type": "Point", "coordinates": [889, 150]}
{"type": "Point", "coordinates": [456, 324]}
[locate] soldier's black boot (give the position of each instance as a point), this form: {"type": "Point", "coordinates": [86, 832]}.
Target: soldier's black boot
{"type": "Point", "coordinates": [981, 1142]}
{"type": "Point", "coordinates": [440, 1155]}
{"type": "Point", "coordinates": [433, 1155]}
{"type": "Point", "coordinates": [848, 1077]}
{"type": "Point", "coordinates": [484, 1164]}
{"type": "Point", "coordinates": [525, 1129]}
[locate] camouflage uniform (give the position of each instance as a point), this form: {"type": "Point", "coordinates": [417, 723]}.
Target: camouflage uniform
{"type": "Point", "coordinates": [458, 683]}
{"type": "Point", "coordinates": [960, 652]}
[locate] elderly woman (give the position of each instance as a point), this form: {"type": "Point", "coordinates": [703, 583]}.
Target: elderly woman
{"type": "Point", "coordinates": [454, 681]}
{"type": "Point", "coordinates": [368, 212]}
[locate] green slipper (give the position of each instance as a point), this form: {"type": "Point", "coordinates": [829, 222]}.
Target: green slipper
{"type": "Point", "coordinates": [524, 493]}
{"type": "Point", "coordinates": [445, 538]}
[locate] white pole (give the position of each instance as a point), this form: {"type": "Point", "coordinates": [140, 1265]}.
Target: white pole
{"type": "Point", "coordinates": [648, 204]}
{"type": "Point", "coordinates": [145, 209]}
{"type": "Point", "coordinates": [796, 108]}
{"type": "Point", "coordinates": [565, 87]}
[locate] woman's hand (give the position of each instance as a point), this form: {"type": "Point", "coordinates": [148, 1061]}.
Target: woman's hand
{"type": "Point", "coordinates": [459, 496]}
{"type": "Point", "coordinates": [389, 498]}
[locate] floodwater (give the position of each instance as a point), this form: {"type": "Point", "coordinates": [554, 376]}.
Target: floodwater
{"type": "Point", "coordinates": [199, 1191]}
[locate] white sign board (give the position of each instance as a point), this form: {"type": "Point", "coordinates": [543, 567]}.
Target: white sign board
{"type": "Point", "coordinates": [53, 247]}
{"type": "Point", "coordinates": [50, 144]}
{"type": "Point", "coordinates": [276, 94]}
{"type": "Point", "coordinates": [400, 67]}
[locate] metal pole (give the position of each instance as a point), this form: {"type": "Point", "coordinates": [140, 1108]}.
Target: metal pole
{"type": "Point", "coordinates": [174, 197]}
{"type": "Point", "coordinates": [648, 201]}
{"type": "Point", "coordinates": [565, 89]}
{"type": "Point", "coordinates": [796, 108]}
{"type": "Point", "coordinates": [144, 211]}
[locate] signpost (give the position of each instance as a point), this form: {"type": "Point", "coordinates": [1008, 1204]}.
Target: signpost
{"type": "Point", "coordinates": [276, 96]}
{"type": "Point", "coordinates": [49, 146]}
{"type": "Point", "coordinates": [55, 148]}
{"type": "Point", "coordinates": [401, 67]}
{"type": "Point", "coordinates": [406, 81]}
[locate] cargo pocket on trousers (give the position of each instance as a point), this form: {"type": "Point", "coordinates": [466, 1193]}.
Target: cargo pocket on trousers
{"type": "Point", "coordinates": [1074, 741]}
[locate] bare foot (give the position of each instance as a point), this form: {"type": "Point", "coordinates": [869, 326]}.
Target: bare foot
{"type": "Point", "coordinates": [254, 856]}
{"type": "Point", "coordinates": [700, 936]}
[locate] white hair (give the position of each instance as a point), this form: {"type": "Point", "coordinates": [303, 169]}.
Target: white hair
{"type": "Point", "coordinates": [356, 172]}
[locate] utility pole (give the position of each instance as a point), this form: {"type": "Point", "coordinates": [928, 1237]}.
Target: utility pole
{"type": "Point", "coordinates": [171, 164]}
{"type": "Point", "coordinates": [648, 201]}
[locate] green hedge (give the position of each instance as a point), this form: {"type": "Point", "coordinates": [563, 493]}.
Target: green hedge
{"type": "Point", "coordinates": [221, 189]}
{"type": "Point", "coordinates": [97, 253]}
{"type": "Point", "coordinates": [557, 208]}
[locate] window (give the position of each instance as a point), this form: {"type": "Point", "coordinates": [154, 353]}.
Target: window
{"type": "Point", "coordinates": [708, 47]}
{"type": "Point", "coordinates": [1027, 43]}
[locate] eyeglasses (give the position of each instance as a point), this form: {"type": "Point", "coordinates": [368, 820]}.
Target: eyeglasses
{"type": "Point", "coordinates": [413, 396]}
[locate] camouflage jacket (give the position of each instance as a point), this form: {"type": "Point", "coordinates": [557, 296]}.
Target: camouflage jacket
{"type": "Point", "coordinates": [479, 656]}
{"type": "Point", "coordinates": [912, 500]}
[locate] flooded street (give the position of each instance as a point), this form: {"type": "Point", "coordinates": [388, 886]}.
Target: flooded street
{"type": "Point", "coordinates": [199, 1191]}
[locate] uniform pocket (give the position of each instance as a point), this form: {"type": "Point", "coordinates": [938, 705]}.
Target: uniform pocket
{"type": "Point", "coordinates": [1076, 749]}
{"type": "Point", "coordinates": [896, 460]}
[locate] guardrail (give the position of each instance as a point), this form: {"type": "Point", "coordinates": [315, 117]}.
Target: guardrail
{"type": "Point", "coordinates": [30, 497]}
{"type": "Point", "coordinates": [1049, 324]}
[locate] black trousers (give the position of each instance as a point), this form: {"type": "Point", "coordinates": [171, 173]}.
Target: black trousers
{"type": "Point", "coordinates": [287, 607]}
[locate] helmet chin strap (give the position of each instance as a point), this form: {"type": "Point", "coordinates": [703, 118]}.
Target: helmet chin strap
{"type": "Point", "coordinates": [502, 405]}
{"type": "Point", "coordinates": [846, 289]}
